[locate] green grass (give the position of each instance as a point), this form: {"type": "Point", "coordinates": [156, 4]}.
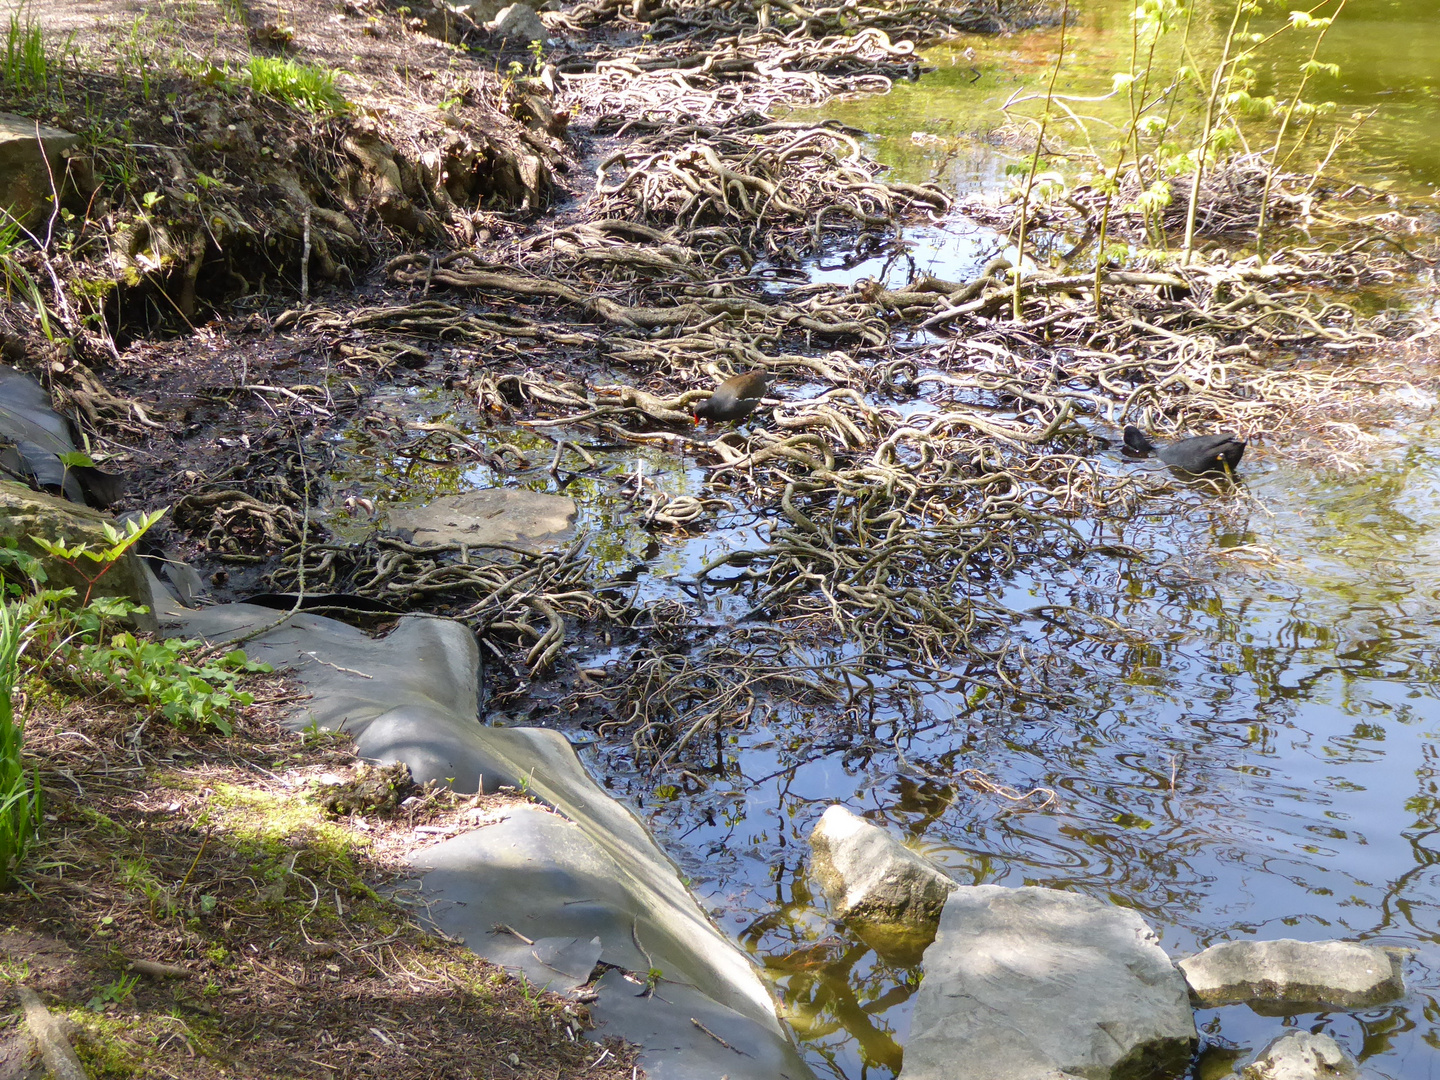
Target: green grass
{"type": "Point", "coordinates": [19, 790]}
{"type": "Point", "coordinates": [28, 64]}
{"type": "Point", "coordinates": [296, 84]}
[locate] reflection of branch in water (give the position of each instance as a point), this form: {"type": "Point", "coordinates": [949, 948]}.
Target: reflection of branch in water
{"type": "Point", "coordinates": [980, 782]}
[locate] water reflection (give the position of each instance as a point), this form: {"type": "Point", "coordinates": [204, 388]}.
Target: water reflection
{"type": "Point", "coordinates": [1243, 744]}
{"type": "Point", "coordinates": [1388, 52]}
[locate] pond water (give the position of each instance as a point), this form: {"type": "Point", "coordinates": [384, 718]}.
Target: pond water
{"type": "Point", "coordinates": [1388, 53]}
{"type": "Point", "coordinates": [1252, 749]}
{"type": "Point", "coordinates": [1255, 754]}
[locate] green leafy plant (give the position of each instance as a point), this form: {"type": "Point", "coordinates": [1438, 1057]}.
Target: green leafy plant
{"type": "Point", "coordinates": [19, 570]}
{"type": "Point", "coordinates": [294, 83]}
{"type": "Point", "coordinates": [19, 789]}
{"type": "Point", "coordinates": [113, 993]}
{"type": "Point", "coordinates": [184, 680]}
{"type": "Point", "coordinates": [103, 558]}
{"type": "Point", "coordinates": [172, 675]}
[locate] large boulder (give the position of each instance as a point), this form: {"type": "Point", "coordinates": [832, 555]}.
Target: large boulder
{"type": "Point", "coordinates": [518, 24]}
{"type": "Point", "coordinates": [25, 514]}
{"type": "Point", "coordinates": [1300, 1055]}
{"type": "Point", "coordinates": [1294, 975]}
{"type": "Point", "coordinates": [32, 166]}
{"type": "Point", "coordinates": [514, 517]}
{"type": "Point", "coordinates": [890, 895]}
{"type": "Point", "coordinates": [1031, 984]}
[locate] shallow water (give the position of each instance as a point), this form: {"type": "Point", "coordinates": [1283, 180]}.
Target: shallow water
{"type": "Point", "coordinates": [1261, 763]}
{"type": "Point", "coordinates": [1254, 754]}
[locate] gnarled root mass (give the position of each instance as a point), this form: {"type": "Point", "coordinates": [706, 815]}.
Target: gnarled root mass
{"type": "Point", "coordinates": [927, 444]}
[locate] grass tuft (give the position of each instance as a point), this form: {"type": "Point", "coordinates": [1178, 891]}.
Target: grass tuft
{"type": "Point", "coordinates": [296, 84]}
{"type": "Point", "coordinates": [19, 790]}
{"type": "Point", "coordinates": [27, 64]}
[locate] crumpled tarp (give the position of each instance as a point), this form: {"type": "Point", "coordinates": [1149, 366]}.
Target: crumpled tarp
{"type": "Point", "coordinates": [577, 887]}
{"type": "Point", "coordinates": [32, 439]}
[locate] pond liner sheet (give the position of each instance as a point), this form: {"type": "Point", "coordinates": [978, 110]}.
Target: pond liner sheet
{"type": "Point", "coordinates": [582, 881]}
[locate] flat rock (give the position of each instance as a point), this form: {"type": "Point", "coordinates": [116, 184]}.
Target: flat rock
{"type": "Point", "coordinates": [1297, 974]}
{"type": "Point", "coordinates": [25, 514]}
{"type": "Point", "coordinates": [519, 24]}
{"type": "Point", "coordinates": [1300, 1055]}
{"type": "Point", "coordinates": [513, 516]}
{"type": "Point", "coordinates": [871, 878]}
{"type": "Point", "coordinates": [31, 156]}
{"type": "Point", "coordinates": [1033, 984]}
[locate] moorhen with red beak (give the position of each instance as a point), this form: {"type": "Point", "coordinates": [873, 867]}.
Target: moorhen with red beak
{"type": "Point", "coordinates": [1200, 454]}
{"type": "Point", "coordinates": [734, 399]}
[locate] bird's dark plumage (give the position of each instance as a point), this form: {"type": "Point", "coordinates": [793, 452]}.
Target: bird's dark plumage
{"type": "Point", "coordinates": [1201, 454]}
{"type": "Point", "coordinates": [734, 399]}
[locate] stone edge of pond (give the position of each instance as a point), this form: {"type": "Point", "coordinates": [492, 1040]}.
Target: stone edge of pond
{"type": "Point", "coordinates": [550, 892]}
{"type": "Point", "coordinates": [1086, 988]}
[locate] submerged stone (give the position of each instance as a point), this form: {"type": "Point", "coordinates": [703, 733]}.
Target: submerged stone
{"type": "Point", "coordinates": [516, 517]}
{"type": "Point", "coordinates": [1032, 984]}
{"type": "Point", "coordinates": [891, 895]}
{"type": "Point", "coordinates": [1300, 1055]}
{"type": "Point", "coordinates": [1298, 974]}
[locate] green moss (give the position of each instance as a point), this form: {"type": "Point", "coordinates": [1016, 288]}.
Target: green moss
{"type": "Point", "coordinates": [101, 1048]}
{"type": "Point", "coordinates": [285, 833]}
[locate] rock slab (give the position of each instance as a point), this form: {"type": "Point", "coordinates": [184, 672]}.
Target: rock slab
{"type": "Point", "coordinates": [1337, 974]}
{"type": "Point", "coordinates": [25, 514]}
{"type": "Point", "coordinates": [1031, 984]}
{"type": "Point", "coordinates": [1302, 1056]}
{"type": "Point", "coordinates": [513, 516]}
{"type": "Point", "coordinates": [32, 157]}
{"type": "Point", "coordinates": [870, 877]}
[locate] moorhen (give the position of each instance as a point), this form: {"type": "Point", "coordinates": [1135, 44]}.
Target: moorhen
{"type": "Point", "coordinates": [734, 399]}
{"type": "Point", "coordinates": [1199, 454]}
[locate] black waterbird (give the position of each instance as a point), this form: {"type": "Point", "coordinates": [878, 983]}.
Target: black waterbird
{"type": "Point", "coordinates": [1200, 454]}
{"type": "Point", "coordinates": [734, 399]}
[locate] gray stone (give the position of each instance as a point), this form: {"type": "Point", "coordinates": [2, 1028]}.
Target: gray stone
{"type": "Point", "coordinates": [25, 514]}
{"type": "Point", "coordinates": [519, 24]}
{"type": "Point", "coordinates": [1300, 1055]}
{"type": "Point", "coordinates": [31, 157]}
{"type": "Point", "coordinates": [891, 895]}
{"type": "Point", "coordinates": [583, 884]}
{"type": "Point", "coordinates": [482, 11]}
{"type": "Point", "coordinates": [1297, 974]}
{"type": "Point", "coordinates": [512, 516]}
{"type": "Point", "coordinates": [1024, 984]}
